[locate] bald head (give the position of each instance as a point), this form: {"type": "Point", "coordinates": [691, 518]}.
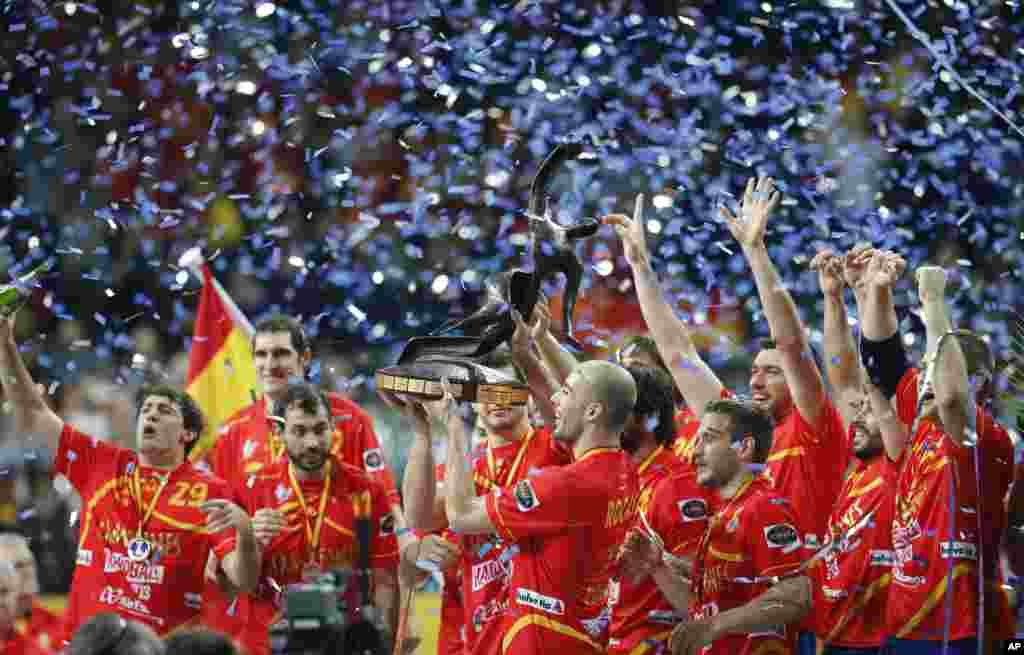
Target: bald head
{"type": "Point", "coordinates": [613, 387]}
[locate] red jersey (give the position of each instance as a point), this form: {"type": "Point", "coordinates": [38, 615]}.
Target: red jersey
{"type": "Point", "coordinates": [320, 536]}
{"type": "Point", "coordinates": [676, 508]}
{"type": "Point", "coordinates": [43, 628]}
{"type": "Point", "coordinates": [164, 590]}
{"type": "Point", "coordinates": [247, 445]}
{"type": "Point", "coordinates": [806, 465]}
{"type": "Point", "coordinates": [851, 584]}
{"type": "Point", "coordinates": [486, 560]}
{"type": "Point", "coordinates": [566, 524]}
{"type": "Point", "coordinates": [18, 644]}
{"type": "Point", "coordinates": [931, 542]}
{"type": "Point", "coordinates": [751, 538]}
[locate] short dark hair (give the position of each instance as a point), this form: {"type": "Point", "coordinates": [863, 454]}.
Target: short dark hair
{"type": "Point", "coordinates": [191, 415]}
{"type": "Point", "coordinates": [748, 420]}
{"type": "Point", "coordinates": [771, 344]}
{"type": "Point", "coordinates": [111, 634]}
{"type": "Point", "coordinates": [307, 396]}
{"type": "Point", "coordinates": [643, 344]}
{"type": "Point", "coordinates": [283, 323]}
{"type": "Point", "coordinates": [199, 641]}
{"type": "Point", "coordinates": [654, 401]}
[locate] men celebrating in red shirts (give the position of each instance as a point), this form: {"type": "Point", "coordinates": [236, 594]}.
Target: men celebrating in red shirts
{"type": "Point", "coordinates": [248, 443]}
{"type": "Point", "coordinates": [150, 519]}
{"type": "Point", "coordinates": [565, 523]}
{"type": "Point", "coordinates": [852, 581]}
{"type": "Point", "coordinates": [808, 456]}
{"type": "Point", "coordinates": [949, 516]}
{"type": "Point", "coordinates": [510, 451]}
{"type": "Point", "coordinates": [305, 510]}
{"type": "Point", "coordinates": [640, 614]}
{"type": "Point", "coordinates": [34, 622]}
{"type": "Point", "coordinates": [750, 543]}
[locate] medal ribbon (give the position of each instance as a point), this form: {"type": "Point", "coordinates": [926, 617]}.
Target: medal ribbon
{"type": "Point", "coordinates": [147, 512]}
{"type": "Point", "coordinates": [312, 531]}
{"type": "Point", "coordinates": [705, 540]}
{"type": "Point", "coordinates": [491, 467]}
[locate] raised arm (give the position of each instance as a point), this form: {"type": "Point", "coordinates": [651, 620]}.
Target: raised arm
{"type": "Point", "coordinates": [466, 512]}
{"type": "Point", "coordinates": [542, 385]}
{"type": "Point", "coordinates": [423, 508]}
{"type": "Point", "coordinates": [882, 351]}
{"type": "Point", "coordinates": [784, 322]}
{"type": "Point", "coordinates": [31, 414]}
{"type": "Point", "coordinates": [895, 434]}
{"type": "Point", "coordinates": [842, 365]}
{"type": "Point", "coordinates": [558, 362]}
{"type": "Point", "coordinates": [693, 377]}
{"type": "Point", "coordinates": [949, 382]}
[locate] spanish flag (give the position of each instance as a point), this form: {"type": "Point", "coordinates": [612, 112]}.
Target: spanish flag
{"type": "Point", "coordinates": [221, 373]}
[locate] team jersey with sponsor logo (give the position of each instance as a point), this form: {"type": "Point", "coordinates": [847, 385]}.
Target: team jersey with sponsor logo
{"type": "Point", "coordinates": [851, 583]}
{"type": "Point", "coordinates": [247, 445]}
{"type": "Point", "coordinates": [750, 539]}
{"type": "Point", "coordinates": [328, 509]}
{"type": "Point", "coordinates": [163, 591]}
{"type": "Point", "coordinates": [566, 525]}
{"type": "Point", "coordinates": [676, 508]}
{"type": "Point", "coordinates": [935, 528]}
{"type": "Point", "coordinates": [806, 465]}
{"type": "Point", "coordinates": [486, 561]}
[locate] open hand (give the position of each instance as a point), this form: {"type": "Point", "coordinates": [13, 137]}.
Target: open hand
{"type": "Point", "coordinates": [411, 408]}
{"type": "Point", "coordinates": [759, 201]}
{"type": "Point", "coordinates": [638, 556]}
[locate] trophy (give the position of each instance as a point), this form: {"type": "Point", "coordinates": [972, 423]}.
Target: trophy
{"type": "Point", "coordinates": [425, 361]}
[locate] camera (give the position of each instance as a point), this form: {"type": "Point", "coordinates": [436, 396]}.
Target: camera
{"type": "Point", "coordinates": [322, 618]}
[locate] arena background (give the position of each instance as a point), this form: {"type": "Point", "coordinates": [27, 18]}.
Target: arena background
{"type": "Point", "coordinates": [364, 165]}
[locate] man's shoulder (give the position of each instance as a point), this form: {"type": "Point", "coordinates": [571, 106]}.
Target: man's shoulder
{"type": "Point", "coordinates": [239, 419]}
{"type": "Point", "coordinates": [342, 406]}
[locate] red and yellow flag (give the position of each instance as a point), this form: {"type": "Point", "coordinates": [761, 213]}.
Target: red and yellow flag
{"type": "Point", "coordinates": [221, 373]}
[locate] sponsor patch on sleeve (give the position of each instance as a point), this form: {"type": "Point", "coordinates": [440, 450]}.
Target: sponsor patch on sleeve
{"type": "Point", "coordinates": [526, 497]}
{"type": "Point", "coordinates": [693, 509]}
{"type": "Point", "coordinates": [782, 535]}
{"type": "Point", "coordinates": [373, 460]}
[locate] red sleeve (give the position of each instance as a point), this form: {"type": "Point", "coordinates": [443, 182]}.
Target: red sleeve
{"type": "Point", "coordinates": [772, 537]}
{"type": "Point", "coordinates": [383, 542]}
{"type": "Point", "coordinates": [678, 513]}
{"type": "Point", "coordinates": [906, 397]}
{"type": "Point", "coordinates": [82, 458]}
{"type": "Point", "coordinates": [551, 501]}
{"type": "Point", "coordinates": [371, 456]}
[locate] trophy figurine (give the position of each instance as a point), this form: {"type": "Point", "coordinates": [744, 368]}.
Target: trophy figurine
{"type": "Point", "coordinates": [425, 361]}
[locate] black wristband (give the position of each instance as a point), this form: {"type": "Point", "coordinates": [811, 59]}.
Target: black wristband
{"type": "Point", "coordinates": [886, 362]}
